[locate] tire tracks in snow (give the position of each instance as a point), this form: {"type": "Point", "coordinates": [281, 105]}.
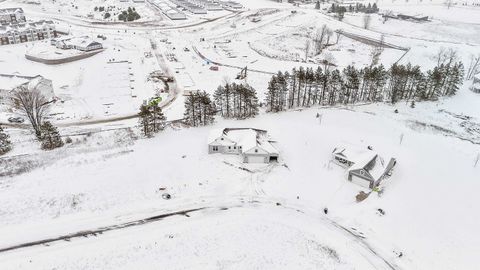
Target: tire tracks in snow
{"type": "Point", "coordinates": [371, 255]}
{"type": "Point", "coordinates": [101, 230]}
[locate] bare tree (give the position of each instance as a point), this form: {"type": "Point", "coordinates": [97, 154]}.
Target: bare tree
{"type": "Point", "coordinates": [33, 105]}
{"type": "Point", "coordinates": [448, 3]}
{"type": "Point", "coordinates": [445, 56]}
{"type": "Point", "coordinates": [328, 60]}
{"type": "Point", "coordinates": [339, 33]}
{"type": "Point", "coordinates": [329, 34]}
{"type": "Point", "coordinates": [387, 15]}
{"type": "Point", "coordinates": [307, 49]}
{"type": "Point", "coordinates": [377, 50]}
{"type": "Point", "coordinates": [366, 21]}
{"type": "Point", "coordinates": [474, 66]}
{"type": "Point", "coordinates": [319, 38]}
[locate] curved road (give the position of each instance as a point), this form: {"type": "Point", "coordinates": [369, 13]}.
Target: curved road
{"type": "Point", "coordinates": [359, 241]}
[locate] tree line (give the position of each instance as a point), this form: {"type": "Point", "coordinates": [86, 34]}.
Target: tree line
{"type": "Point", "coordinates": [236, 100]}
{"type": "Point", "coordinates": [305, 87]}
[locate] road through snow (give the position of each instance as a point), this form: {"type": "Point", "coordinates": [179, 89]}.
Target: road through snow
{"type": "Point", "coordinates": [359, 243]}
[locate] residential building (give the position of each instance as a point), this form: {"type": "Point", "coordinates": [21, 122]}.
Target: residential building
{"type": "Point", "coordinates": [26, 32]}
{"type": "Point", "coordinates": [364, 167]}
{"type": "Point", "coordinates": [252, 144]}
{"type": "Point", "coordinates": [11, 16]}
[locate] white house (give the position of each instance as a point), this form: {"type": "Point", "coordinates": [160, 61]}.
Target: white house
{"type": "Point", "coordinates": [364, 166]}
{"type": "Point", "coordinates": [476, 83]}
{"type": "Point", "coordinates": [252, 144]}
{"type": "Point", "coordinates": [10, 82]}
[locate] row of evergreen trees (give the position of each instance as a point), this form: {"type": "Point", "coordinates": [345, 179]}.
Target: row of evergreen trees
{"type": "Point", "coordinates": [306, 87]}
{"type": "Point", "coordinates": [358, 7]}
{"type": "Point", "coordinates": [236, 101]}
{"type": "Point", "coordinates": [200, 110]}
{"type": "Point", "coordinates": [231, 100]}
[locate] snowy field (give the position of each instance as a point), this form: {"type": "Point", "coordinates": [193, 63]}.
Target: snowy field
{"type": "Point", "coordinates": [70, 195]}
{"type": "Point", "coordinates": [102, 195]}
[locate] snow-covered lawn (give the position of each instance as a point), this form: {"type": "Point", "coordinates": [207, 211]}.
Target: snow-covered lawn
{"type": "Point", "coordinates": [431, 192]}
{"type": "Point", "coordinates": [252, 216]}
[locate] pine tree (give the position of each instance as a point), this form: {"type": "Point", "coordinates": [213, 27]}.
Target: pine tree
{"type": "Point", "coordinates": [151, 119]}
{"type": "Point", "coordinates": [157, 119]}
{"type": "Point", "coordinates": [352, 83]}
{"type": "Point", "coordinates": [144, 120]}
{"type": "Point", "coordinates": [50, 136]}
{"type": "Point", "coordinates": [199, 110]}
{"type": "Point", "coordinates": [317, 5]}
{"type": "Point", "coordinates": [5, 143]}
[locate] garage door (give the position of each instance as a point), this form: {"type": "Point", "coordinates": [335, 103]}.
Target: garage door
{"type": "Point", "coordinates": [360, 181]}
{"type": "Point", "coordinates": [255, 159]}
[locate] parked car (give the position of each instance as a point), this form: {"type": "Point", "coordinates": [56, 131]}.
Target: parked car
{"type": "Point", "coordinates": [16, 119]}
{"type": "Point", "coordinates": [214, 68]}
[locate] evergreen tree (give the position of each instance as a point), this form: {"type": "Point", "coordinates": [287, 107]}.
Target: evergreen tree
{"type": "Point", "coordinates": [317, 5]}
{"type": "Point", "coordinates": [199, 110]}
{"type": "Point", "coordinates": [5, 144]}
{"type": "Point", "coordinates": [144, 120]}
{"type": "Point", "coordinates": [352, 83]}
{"type": "Point", "coordinates": [151, 119]}
{"type": "Point", "coordinates": [51, 138]}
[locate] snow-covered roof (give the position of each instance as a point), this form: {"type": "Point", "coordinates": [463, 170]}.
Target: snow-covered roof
{"type": "Point", "coordinates": [82, 41]}
{"type": "Point", "coordinates": [10, 10]}
{"type": "Point", "coordinates": [365, 159]}
{"type": "Point", "coordinates": [215, 134]}
{"type": "Point", "coordinates": [26, 26]}
{"type": "Point", "coordinates": [247, 138]}
{"type": "Point", "coordinates": [353, 153]}
{"type": "Point", "coordinates": [11, 81]}
{"type": "Point", "coordinates": [267, 146]}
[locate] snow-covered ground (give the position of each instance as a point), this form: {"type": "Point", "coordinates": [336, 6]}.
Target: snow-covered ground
{"type": "Point", "coordinates": [103, 193]}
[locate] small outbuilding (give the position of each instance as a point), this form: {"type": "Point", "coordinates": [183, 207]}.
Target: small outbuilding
{"type": "Point", "coordinates": [364, 167]}
{"type": "Point", "coordinates": [252, 144]}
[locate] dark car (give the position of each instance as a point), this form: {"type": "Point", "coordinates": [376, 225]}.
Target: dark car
{"type": "Point", "coordinates": [15, 120]}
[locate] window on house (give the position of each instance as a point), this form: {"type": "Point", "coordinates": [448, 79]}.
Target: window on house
{"type": "Point", "coordinates": [235, 147]}
{"type": "Point", "coordinates": [215, 148]}
{"type": "Point", "coordinates": [229, 147]}
{"type": "Point", "coordinates": [256, 150]}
